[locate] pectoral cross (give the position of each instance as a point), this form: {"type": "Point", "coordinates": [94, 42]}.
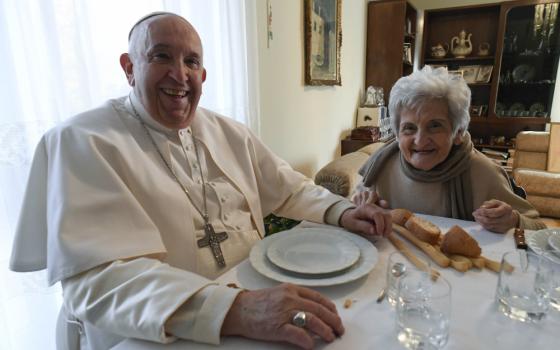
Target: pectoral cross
{"type": "Point", "coordinates": [213, 239]}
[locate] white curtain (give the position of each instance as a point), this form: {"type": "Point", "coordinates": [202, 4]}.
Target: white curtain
{"type": "Point", "coordinates": [61, 57]}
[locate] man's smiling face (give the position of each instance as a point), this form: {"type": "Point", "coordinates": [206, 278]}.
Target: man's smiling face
{"type": "Point", "coordinates": [167, 70]}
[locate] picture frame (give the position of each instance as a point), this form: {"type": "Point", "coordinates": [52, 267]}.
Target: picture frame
{"type": "Point", "coordinates": [470, 73]}
{"type": "Point", "coordinates": [435, 66]}
{"type": "Point", "coordinates": [407, 53]}
{"type": "Point", "coordinates": [457, 72]}
{"type": "Point", "coordinates": [323, 38]}
{"type": "Point", "coordinates": [484, 74]}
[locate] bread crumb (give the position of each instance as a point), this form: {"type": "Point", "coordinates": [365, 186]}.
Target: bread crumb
{"type": "Point", "coordinates": [348, 303]}
{"type": "Point", "coordinates": [232, 285]}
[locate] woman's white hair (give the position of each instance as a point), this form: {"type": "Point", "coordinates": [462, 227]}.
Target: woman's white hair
{"type": "Point", "coordinates": [412, 91]}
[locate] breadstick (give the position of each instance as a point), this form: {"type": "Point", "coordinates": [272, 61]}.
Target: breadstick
{"type": "Point", "coordinates": [427, 248]}
{"type": "Point", "coordinates": [496, 266]}
{"type": "Point", "coordinates": [460, 263]}
{"type": "Point", "coordinates": [478, 262]}
{"type": "Point", "coordinates": [411, 257]}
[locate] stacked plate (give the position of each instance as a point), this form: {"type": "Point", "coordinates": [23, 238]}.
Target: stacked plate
{"type": "Point", "coordinates": [546, 242]}
{"type": "Point", "coordinates": [314, 256]}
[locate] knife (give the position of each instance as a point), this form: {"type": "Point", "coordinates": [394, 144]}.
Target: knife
{"type": "Point", "coordinates": [519, 237]}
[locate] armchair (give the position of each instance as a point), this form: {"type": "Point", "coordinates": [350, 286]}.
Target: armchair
{"type": "Point", "coordinates": [530, 172]}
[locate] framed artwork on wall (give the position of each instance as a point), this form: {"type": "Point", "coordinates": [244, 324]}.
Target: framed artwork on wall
{"type": "Point", "coordinates": [323, 38]}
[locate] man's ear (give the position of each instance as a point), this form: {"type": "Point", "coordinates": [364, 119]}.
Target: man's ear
{"type": "Point", "coordinates": [203, 75]}
{"type": "Point", "coordinates": [126, 64]}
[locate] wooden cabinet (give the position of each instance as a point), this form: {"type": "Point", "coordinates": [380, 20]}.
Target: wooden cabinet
{"type": "Point", "coordinates": [391, 26]}
{"type": "Point", "coordinates": [511, 68]}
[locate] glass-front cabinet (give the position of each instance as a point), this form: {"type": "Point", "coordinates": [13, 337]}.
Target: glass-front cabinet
{"type": "Point", "coordinates": [529, 62]}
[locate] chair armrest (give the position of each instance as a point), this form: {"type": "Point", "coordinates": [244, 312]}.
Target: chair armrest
{"type": "Point", "coordinates": [538, 182]}
{"type": "Point", "coordinates": [340, 176]}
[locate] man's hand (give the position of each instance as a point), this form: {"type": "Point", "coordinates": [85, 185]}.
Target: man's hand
{"type": "Point", "coordinates": [368, 220]}
{"type": "Point", "coordinates": [266, 314]}
{"type": "Point", "coordinates": [496, 216]}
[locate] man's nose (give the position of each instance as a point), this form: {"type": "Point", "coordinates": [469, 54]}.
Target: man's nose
{"type": "Point", "coordinates": [179, 71]}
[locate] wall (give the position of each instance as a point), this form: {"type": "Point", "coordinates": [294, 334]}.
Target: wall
{"type": "Point", "coordinates": [304, 124]}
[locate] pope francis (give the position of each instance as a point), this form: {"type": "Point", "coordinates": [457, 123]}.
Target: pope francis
{"type": "Point", "coordinates": [138, 205]}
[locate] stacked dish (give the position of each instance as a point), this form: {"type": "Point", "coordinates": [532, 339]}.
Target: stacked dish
{"type": "Point", "coordinates": [314, 256]}
{"type": "Point", "coordinates": [546, 242]}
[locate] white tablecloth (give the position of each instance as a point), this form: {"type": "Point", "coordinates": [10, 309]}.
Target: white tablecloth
{"type": "Point", "coordinates": [475, 321]}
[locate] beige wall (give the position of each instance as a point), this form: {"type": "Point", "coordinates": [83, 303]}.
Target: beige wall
{"type": "Point", "coordinates": [304, 124]}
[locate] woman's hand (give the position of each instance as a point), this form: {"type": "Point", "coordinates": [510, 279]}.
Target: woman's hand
{"type": "Point", "coordinates": [369, 197]}
{"type": "Point", "coordinates": [497, 216]}
{"type": "Point", "coordinates": [266, 314]}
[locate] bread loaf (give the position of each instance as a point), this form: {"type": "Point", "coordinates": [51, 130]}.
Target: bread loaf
{"type": "Point", "coordinates": [400, 216]}
{"type": "Point", "coordinates": [423, 229]}
{"type": "Point", "coordinates": [458, 241]}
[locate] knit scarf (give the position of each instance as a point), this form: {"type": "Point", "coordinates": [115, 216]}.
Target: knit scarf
{"type": "Point", "coordinates": [452, 172]}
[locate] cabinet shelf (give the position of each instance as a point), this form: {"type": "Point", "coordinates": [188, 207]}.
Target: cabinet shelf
{"type": "Point", "coordinates": [454, 59]}
{"type": "Point", "coordinates": [508, 120]}
{"type": "Point", "coordinates": [484, 145]}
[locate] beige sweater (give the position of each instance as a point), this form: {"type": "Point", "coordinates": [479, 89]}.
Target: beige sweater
{"type": "Point", "coordinates": [488, 182]}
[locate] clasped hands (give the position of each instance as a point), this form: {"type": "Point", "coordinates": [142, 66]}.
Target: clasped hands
{"type": "Point", "coordinates": [494, 215]}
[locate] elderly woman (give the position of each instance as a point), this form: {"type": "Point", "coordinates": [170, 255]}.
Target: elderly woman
{"type": "Point", "coordinates": [432, 166]}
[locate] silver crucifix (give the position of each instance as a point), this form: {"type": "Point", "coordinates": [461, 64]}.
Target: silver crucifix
{"type": "Point", "coordinates": [213, 239]}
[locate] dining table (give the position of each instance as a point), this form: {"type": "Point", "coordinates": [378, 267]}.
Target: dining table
{"type": "Point", "coordinates": [475, 321]}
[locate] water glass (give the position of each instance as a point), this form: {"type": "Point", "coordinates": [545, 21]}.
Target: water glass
{"type": "Point", "coordinates": [554, 258]}
{"type": "Point", "coordinates": [392, 283]}
{"type": "Point", "coordinates": [524, 286]}
{"type": "Point", "coordinates": [423, 311]}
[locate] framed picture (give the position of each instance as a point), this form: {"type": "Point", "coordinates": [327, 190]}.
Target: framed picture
{"type": "Point", "coordinates": [434, 66]}
{"type": "Point", "coordinates": [407, 53]}
{"type": "Point", "coordinates": [323, 37]}
{"type": "Point", "coordinates": [470, 73]}
{"type": "Point", "coordinates": [478, 110]}
{"type": "Point", "coordinates": [456, 72]}
{"type": "Point", "coordinates": [484, 74]}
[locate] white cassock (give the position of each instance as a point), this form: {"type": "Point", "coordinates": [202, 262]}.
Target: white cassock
{"type": "Point", "coordinates": [104, 215]}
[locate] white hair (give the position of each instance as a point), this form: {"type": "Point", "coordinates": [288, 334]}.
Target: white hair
{"type": "Point", "coordinates": [412, 91]}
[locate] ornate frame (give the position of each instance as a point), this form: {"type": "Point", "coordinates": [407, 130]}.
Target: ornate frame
{"type": "Point", "coordinates": [322, 61]}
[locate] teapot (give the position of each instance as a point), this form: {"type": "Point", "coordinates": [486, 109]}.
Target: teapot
{"type": "Point", "coordinates": [439, 50]}
{"type": "Point", "coordinates": [483, 49]}
{"type": "Point", "coordinates": [461, 45]}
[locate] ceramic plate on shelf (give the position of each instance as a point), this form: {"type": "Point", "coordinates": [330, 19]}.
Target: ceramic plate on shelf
{"type": "Point", "coordinates": [366, 262]}
{"type": "Point", "coordinates": [312, 251]}
{"type": "Point", "coordinates": [536, 108]}
{"type": "Point", "coordinates": [516, 109]}
{"type": "Point", "coordinates": [523, 73]}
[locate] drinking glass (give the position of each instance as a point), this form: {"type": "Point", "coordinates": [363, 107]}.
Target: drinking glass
{"type": "Point", "coordinates": [423, 311]}
{"type": "Point", "coordinates": [554, 257]}
{"type": "Point", "coordinates": [396, 259]}
{"type": "Point", "coordinates": [524, 286]}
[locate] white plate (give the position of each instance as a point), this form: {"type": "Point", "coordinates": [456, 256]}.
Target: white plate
{"type": "Point", "coordinates": [554, 242]}
{"type": "Point", "coordinates": [312, 251]}
{"type": "Point", "coordinates": [366, 262]}
{"type": "Point", "coordinates": [538, 242]}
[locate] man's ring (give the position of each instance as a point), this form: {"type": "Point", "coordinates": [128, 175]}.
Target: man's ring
{"type": "Point", "coordinates": [299, 319]}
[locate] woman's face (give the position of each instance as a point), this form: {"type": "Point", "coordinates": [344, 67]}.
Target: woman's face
{"type": "Point", "coordinates": [426, 135]}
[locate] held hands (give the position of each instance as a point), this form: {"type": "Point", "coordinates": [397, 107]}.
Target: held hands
{"type": "Point", "coordinates": [267, 314]}
{"type": "Point", "coordinates": [496, 216]}
{"type": "Point", "coordinates": [370, 218]}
